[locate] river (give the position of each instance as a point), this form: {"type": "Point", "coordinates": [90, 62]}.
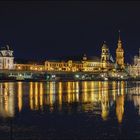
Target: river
{"type": "Point", "coordinates": [69, 110]}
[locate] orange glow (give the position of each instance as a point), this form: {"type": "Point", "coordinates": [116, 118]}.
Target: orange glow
{"type": "Point", "coordinates": [41, 95]}
{"type": "Point", "coordinates": [31, 96]}
{"type": "Point", "coordinates": [19, 96]}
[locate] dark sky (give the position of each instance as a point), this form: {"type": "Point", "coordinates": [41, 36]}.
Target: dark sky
{"type": "Point", "coordinates": [49, 30]}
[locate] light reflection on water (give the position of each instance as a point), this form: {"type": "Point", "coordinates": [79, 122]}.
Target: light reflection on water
{"type": "Point", "coordinates": [99, 95]}
{"type": "Point", "coordinates": [95, 98]}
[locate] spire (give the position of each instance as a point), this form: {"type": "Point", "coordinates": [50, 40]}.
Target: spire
{"type": "Point", "coordinates": [119, 35]}
{"type": "Point", "coordinates": [119, 40]}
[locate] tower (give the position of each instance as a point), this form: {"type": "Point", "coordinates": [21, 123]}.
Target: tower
{"type": "Point", "coordinates": [120, 53]}
{"type": "Point", "coordinates": [105, 56]}
{"type": "Point", "coordinates": [84, 57]}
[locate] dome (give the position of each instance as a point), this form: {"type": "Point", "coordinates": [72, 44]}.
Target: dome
{"type": "Point", "coordinates": [104, 46]}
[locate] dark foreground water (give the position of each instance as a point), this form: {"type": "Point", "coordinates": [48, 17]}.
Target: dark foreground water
{"type": "Point", "coordinates": [69, 110]}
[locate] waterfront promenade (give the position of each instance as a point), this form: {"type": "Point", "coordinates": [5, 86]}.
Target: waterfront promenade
{"type": "Point", "coordinates": [22, 75]}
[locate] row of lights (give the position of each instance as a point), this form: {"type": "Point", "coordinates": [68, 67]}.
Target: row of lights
{"type": "Point", "coordinates": [31, 68]}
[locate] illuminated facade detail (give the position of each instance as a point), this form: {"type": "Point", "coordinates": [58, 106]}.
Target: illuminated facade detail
{"type": "Point", "coordinates": [63, 65]}
{"type": "Point", "coordinates": [6, 58]}
{"type": "Point", "coordinates": [92, 64]}
{"type": "Point", "coordinates": [120, 54]}
{"type": "Point", "coordinates": [105, 56]}
{"type": "Point", "coordinates": [29, 67]}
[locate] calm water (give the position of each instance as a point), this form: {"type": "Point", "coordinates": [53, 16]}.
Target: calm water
{"type": "Point", "coordinates": [69, 110]}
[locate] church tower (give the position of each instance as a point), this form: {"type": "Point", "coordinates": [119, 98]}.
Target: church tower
{"type": "Point", "coordinates": [84, 57]}
{"type": "Point", "coordinates": [105, 56]}
{"type": "Point", "coordinates": [120, 54]}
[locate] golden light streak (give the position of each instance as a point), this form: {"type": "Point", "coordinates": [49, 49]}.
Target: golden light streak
{"type": "Point", "coordinates": [41, 94]}
{"type": "Point", "coordinates": [19, 96]}
{"type": "Point", "coordinates": [36, 95]}
{"type": "Point", "coordinates": [31, 96]}
{"type": "Point", "coordinates": [120, 108]}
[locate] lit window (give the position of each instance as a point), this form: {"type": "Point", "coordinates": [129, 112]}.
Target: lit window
{"type": "Point", "coordinates": [19, 67]}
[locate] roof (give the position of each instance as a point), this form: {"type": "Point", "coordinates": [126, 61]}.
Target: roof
{"type": "Point", "coordinates": [7, 47]}
{"type": "Point", "coordinates": [94, 58]}
{"type": "Point", "coordinates": [60, 61]}
{"type": "Point", "coordinates": [104, 45]}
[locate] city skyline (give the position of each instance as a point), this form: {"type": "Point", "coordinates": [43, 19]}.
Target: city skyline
{"type": "Point", "coordinates": [66, 29]}
{"type": "Point", "coordinates": [69, 69]}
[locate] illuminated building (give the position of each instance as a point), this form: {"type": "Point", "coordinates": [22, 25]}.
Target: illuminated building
{"type": "Point", "coordinates": [105, 56]}
{"type": "Point", "coordinates": [63, 65]}
{"type": "Point", "coordinates": [92, 64]}
{"type": "Point", "coordinates": [29, 67]}
{"type": "Point", "coordinates": [87, 65]}
{"type": "Point", "coordinates": [6, 58]}
{"type": "Point", "coordinates": [120, 54]}
{"type": "Point", "coordinates": [104, 63]}
{"type": "Point", "coordinates": [134, 69]}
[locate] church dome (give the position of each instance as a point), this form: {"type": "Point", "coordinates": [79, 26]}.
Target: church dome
{"type": "Point", "coordinates": [104, 46]}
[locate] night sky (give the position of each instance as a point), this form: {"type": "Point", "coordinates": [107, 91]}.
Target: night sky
{"type": "Point", "coordinates": [50, 30]}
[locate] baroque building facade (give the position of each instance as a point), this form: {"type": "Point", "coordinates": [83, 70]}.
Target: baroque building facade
{"type": "Point", "coordinates": [85, 65]}
{"type": "Point", "coordinates": [90, 65]}
{"type": "Point", "coordinates": [105, 56]}
{"type": "Point", "coordinates": [6, 58]}
{"type": "Point", "coordinates": [134, 69]}
{"type": "Point", "coordinates": [70, 65]}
